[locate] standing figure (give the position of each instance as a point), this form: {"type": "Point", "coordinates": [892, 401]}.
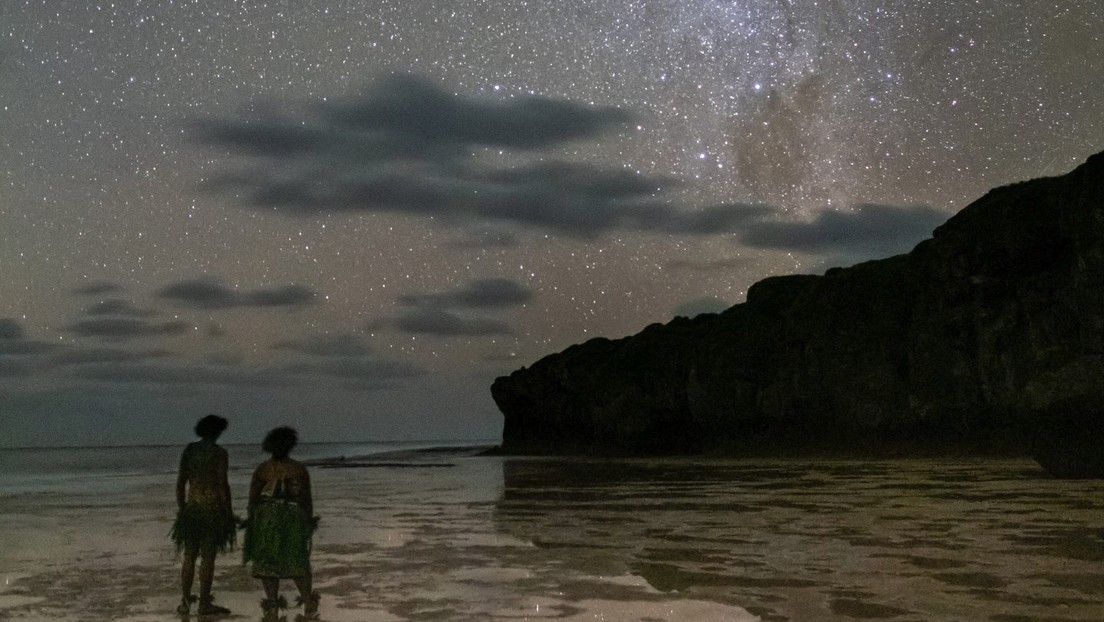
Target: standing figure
{"type": "Point", "coordinates": [205, 523]}
{"type": "Point", "coordinates": [281, 522]}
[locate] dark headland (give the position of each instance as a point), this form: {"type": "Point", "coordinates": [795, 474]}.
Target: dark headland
{"type": "Point", "coordinates": [987, 338]}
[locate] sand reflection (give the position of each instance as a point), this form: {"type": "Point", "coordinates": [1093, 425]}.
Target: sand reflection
{"type": "Point", "coordinates": [824, 541]}
{"type": "Point", "coordinates": [485, 538]}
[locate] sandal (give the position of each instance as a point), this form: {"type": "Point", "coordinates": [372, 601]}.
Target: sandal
{"type": "Point", "coordinates": [273, 604]}
{"type": "Point", "coordinates": [310, 603]}
{"type": "Point", "coordinates": [185, 604]}
{"type": "Point", "coordinates": [209, 608]}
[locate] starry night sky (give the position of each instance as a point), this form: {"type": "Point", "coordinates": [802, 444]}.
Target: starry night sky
{"type": "Point", "coordinates": [352, 216]}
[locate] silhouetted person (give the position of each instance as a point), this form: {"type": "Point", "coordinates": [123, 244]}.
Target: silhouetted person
{"type": "Point", "coordinates": [205, 523]}
{"type": "Point", "coordinates": [281, 522]}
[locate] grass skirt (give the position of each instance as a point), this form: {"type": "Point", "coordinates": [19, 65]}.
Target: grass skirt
{"type": "Point", "coordinates": [203, 525]}
{"type": "Point", "coordinates": [278, 540]}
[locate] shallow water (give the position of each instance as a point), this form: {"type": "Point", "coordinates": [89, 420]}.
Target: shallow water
{"type": "Point", "coordinates": [460, 537]}
{"type": "Point", "coordinates": [907, 540]}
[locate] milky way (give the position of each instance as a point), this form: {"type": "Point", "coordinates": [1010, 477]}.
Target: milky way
{"type": "Point", "coordinates": [352, 216]}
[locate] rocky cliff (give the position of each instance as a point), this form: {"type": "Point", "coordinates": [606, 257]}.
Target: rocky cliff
{"type": "Point", "coordinates": [975, 340]}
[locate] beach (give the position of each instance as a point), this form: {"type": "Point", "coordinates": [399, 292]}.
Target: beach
{"type": "Point", "coordinates": [409, 534]}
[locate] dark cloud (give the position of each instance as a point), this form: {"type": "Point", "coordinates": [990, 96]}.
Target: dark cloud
{"type": "Point", "coordinates": [28, 356]}
{"type": "Point", "coordinates": [96, 288]}
{"type": "Point", "coordinates": [433, 313]}
{"type": "Point", "coordinates": [327, 346]}
{"type": "Point", "coordinates": [11, 368]}
{"type": "Point", "coordinates": [343, 359]}
{"type": "Point", "coordinates": [407, 146]}
{"type": "Point", "coordinates": [364, 372]}
{"type": "Point", "coordinates": [347, 358]}
{"type": "Point", "coordinates": [271, 138]}
{"type": "Point", "coordinates": [157, 373]}
{"type": "Point", "coordinates": [868, 231]}
{"type": "Point", "coordinates": [203, 293]}
{"type": "Point", "coordinates": [446, 324]}
{"type": "Point", "coordinates": [11, 330]}
{"type": "Point", "coordinates": [416, 108]}
{"type": "Point", "coordinates": [118, 307]}
{"type": "Point", "coordinates": [18, 347]}
{"type": "Point", "coordinates": [479, 293]}
{"type": "Point", "coordinates": [125, 328]}
{"type": "Point", "coordinates": [212, 294]}
{"type": "Point", "coordinates": [224, 358]}
{"type": "Point", "coordinates": [701, 305]}
{"type": "Point", "coordinates": [14, 341]}
{"type": "Point", "coordinates": [283, 296]}
{"type": "Point", "coordinates": [404, 118]}
{"type": "Point", "coordinates": [714, 219]}
{"type": "Point", "coordinates": [85, 356]}
{"type": "Point", "coordinates": [574, 199]}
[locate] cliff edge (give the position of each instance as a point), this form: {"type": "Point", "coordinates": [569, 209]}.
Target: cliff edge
{"type": "Point", "coordinates": [984, 337]}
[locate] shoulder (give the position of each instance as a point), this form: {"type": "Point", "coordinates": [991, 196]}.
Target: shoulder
{"type": "Point", "coordinates": [189, 450]}
{"type": "Point", "coordinates": [296, 467]}
{"type": "Point", "coordinates": [263, 468]}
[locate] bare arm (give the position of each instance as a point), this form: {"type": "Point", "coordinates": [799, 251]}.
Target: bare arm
{"type": "Point", "coordinates": [224, 481]}
{"type": "Point", "coordinates": [308, 500]}
{"type": "Point", "coordinates": [256, 485]}
{"type": "Point", "coordinates": [182, 481]}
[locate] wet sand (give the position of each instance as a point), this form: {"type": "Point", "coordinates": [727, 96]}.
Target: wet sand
{"type": "Point", "coordinates": [493, 538]}
{"type": "Point", "coordinates": [407, 536]}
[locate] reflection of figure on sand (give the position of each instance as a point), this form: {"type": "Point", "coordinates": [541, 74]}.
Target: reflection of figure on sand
{"type": "Point", "coordinates": [281, 522]}
{"type": "Point", "coordinates": [205, 522]}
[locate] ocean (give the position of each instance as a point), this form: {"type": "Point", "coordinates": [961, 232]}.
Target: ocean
{"type": "Point", "coordinates": [454, 535]}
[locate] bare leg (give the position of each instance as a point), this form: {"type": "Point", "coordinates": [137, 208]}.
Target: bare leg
{"type": "Point", "coordinates": [271, 605]}
{"type": "Point", "coordinates": [187, 569]}
{"type": "Point", "coordinates": [187, 577]}
{"type": "Point", "coordinates": [307, 596]}
{"type": "Point", "coordinates": [271, 588]}
{"type": "Point", "coordinates": [304, 585]}
{"type": "Point", "coordinates": [206, 571]}
{"type": "Point", "coordinates": [206, 578]}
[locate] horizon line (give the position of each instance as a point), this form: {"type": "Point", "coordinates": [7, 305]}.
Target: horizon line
{"type": "Point", "coordinates": [493, 441]}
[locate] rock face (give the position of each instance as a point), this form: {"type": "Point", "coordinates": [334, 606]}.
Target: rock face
{"type": "Point", "coordinates": [975, 340]}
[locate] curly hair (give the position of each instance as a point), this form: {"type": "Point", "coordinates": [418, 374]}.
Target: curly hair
{"type": "Point", "coordinates": [280, 441]}
{"type": "Point", "coordinates": [211, 426]}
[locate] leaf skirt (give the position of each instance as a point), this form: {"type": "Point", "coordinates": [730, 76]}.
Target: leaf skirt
{"type": "Point", "coordinates": [278, 540]}
{"type": "Point", "coordinates": [201, 525]}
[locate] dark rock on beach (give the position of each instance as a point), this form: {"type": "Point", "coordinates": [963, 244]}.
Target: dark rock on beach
{"type": "Point", "coordinates": [988, 337]}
